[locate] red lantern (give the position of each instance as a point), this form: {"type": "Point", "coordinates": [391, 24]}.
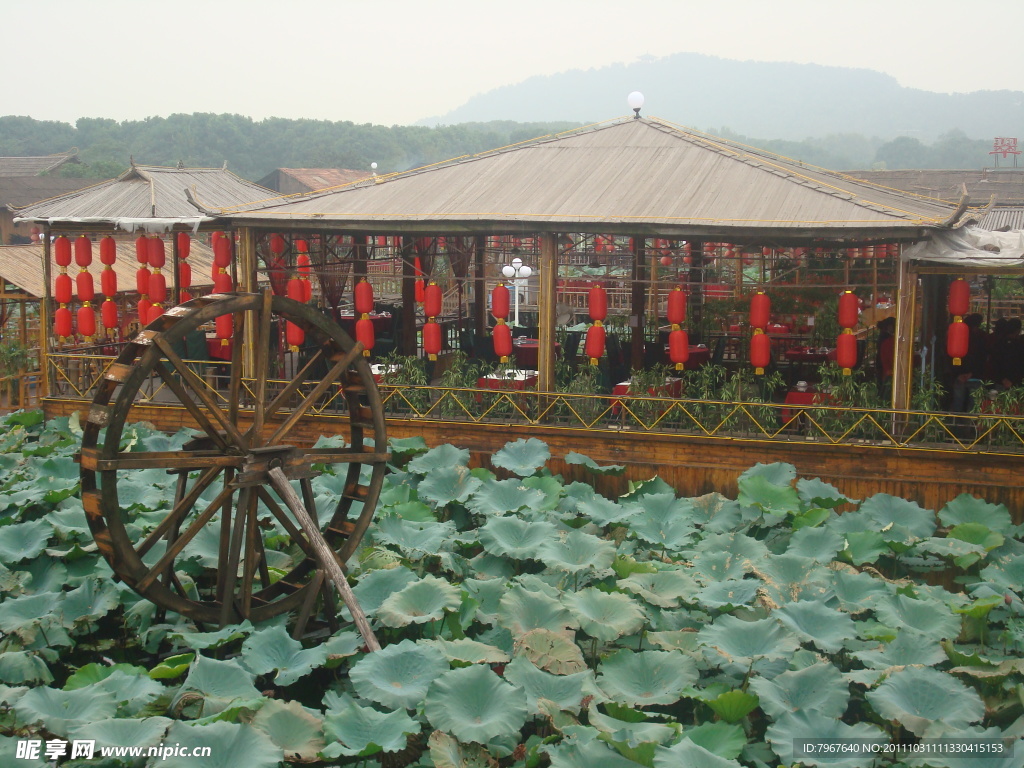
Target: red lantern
{"type": "Point", "coordinates": [500, 302]}
{"type": "Point", "coordinates": [109, 311]}
{"type": "Point", "coordinates": [83, 251]}
{"type": "Point", "coordinates": [594, 345]}
{"type": "Point", "coordinates": [364, 334]}
{"type": "Point", "coordinates": [108, 250]}
{"type": "Point", "coordinates": [303, 268]}
{"type": "Point", "coordinates": [420, 289]}
{"type": "Point", "coordinates": [666, 261]}
{"type": "Point", "coordinates": [277, 244]}
{"type": "Point", "coordinates": [597, 302]}
{"type": "Point", "coordinates": [222, 253]}
{"type": "Point", "coordinates": [154, 312]}
{"type": "Point", "coordinates": [184, 275]}
{"type": "Point", "coordinates": [62, 251]}
{"type": "Point", "coordinates": [502, 336]}
{"type": "Point", "coordinates": [849, 306]}
{"type": "Point", "coordinates": [432, 339]}
{"type": "Point", "coordinates": [224, 327]}
{"type": "Point", "coordinates": [142, 249]}
{"type": "Point", "coordinates": [142, 276]}
{"type": "Point", "coordinates": [143, 309]}
{"type": "Point", "coordinates": [62, 322]}
{"type": "Point", "coordinates": [62, 288]}
{"type": "Point", "coordinates": [760, 312]}
{"type": "Point", "coordinates": [959, 297]}
{"type": "Point", "coordinates": [676, 306]}
{"type": "Point", "coordinates": [86, 289]}
{"type": "Point", "coordinates": [294, 290]}
{"type": "Point", "coordinates": [222, 282]}
{"type": "Point", "coordinates": [846, 352]}
{"type": "Point", "coordinates": [957, 341]}
{"type": "Point", "coordinates": [432, 300]}
{"type": "Point", "coordinates": [87, 320]}
{"type": "Point", "coordinates": [158, 288]}
{"type": "Point", "coordinates": [678, 348]}
{"type": "Point", "coordinates": [108, 282]}
{"type": "Point", "coordinates": [760, 352]}
{"type": "Point", "coordinates": [294, 335]}
{"type": "Point", "coordinates": [363, 297]}
{"type": "Point", "coordinates": [157, 253]}
{"type": "Point", "coordinates": [184, 245]}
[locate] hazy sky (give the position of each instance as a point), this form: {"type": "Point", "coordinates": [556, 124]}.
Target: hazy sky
{"type": "Point", "coordinates": [398, 61]}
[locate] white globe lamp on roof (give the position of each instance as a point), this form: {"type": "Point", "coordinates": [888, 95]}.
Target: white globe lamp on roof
{"type": "Point", "coordinates": [635, 101]}
{"type": "Point", "coordinates": [517, 274]}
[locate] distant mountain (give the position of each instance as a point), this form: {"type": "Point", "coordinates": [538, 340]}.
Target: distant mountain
{"type": "Point", "coordinates": [765, 99]}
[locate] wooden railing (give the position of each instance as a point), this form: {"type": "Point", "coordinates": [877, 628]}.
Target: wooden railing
{"type": "Point", "coordinates": [20, 390]}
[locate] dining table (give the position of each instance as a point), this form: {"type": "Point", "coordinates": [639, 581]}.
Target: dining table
{"type": "Point", "coordinates": [526, 350]}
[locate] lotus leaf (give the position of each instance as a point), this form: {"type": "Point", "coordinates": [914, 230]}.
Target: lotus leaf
{"type": "Point", "coordinates": [759, 492]}
{"type": "Point", "coordinates": [398, 675]}
{"type": "Point", "coordinates": [475, 705]}
{"type": "Point", "coordinates": [22, 541]}
{"type": "Point", "coordinates": [673, 640]}
{"type": "Point", "coordinates": [61, 710]}
{"type": "Point", "coordinates": [487, 594]}
{"type": "Point", "coordinates": [440, 457]}
{"type": "Point", "coordinates": [364, 731]}
{"type": "Point", "coordinates": [632, 732]}
{"type": "Point", "coordinates": [728, 593]}
{"type": "Point", "coordinates": [172, 667]}
{"type": "Point", "coordinates": [23, 616]}
{"type": "Point", "coordinates": [690, 754]}
{"type": "Point", "coordinates": [273, 649]}
{"type": "Point", "coordinates": [515, 538]}
{"type": "Point", "coordinates": [425, 600]}
{"type": "Point", "coordinates": [469, 651]}
{"type": "Point", "coordinates": [566, 691]}
{"type": "Point", "coordinates": [203, 640]}
{"type": "Point", "coordinates": [789, 577]}
{"type": "Point", "coordinates": [522, 457]}
{"type": "Point", "coordinates": [820, 544]}
{"type": "Point", "coordinates": [722, 739]}
{"type": "Point", "coordinates": [499, 497]}
{"type": "Point", "coordinates": [817, 493]}
{"type": "Point", "coordinates": [414, 537]}
{"type": "Point", "coordinates": [555, 652]}
{"type": "Point", "coordinates": [605, 512]}
{"type": "Point", "coordinates": [132, 690]}
{"type": "Point", "coordinates": [231, 746]}
{"type": "Point", "coordinates": [916, 698]}
{"type": "Point", "coordinates": [576, 551]}
{"type": "Point", "coordinates": [728, 556]}
{"type": "Point", "coordinates": [647, 487]}
{"type": "Point", "coordinates": [743, 641]}
{"type": "Point", "coordinates": [930, 617]}
{"type": "Point", "coordinates": [978, 534]}
{"type": "Point", "coordinates": [646, 678]}
{"type": "Point", "coordinates": [818, 688]}
{"type": "Point", "coordinates": [445, 485]}
{"type": "Point", "coordinates": [733, 706]}
{"type": "Point", "coordinates": [805, 725]}
{"type": "Point", "coordinates": [144, 732]}
{"type": "Point", "coordinates": [219, 683]}
{"type": "Point", "coordinates": [24, 667]}
{"type": "Point", "coordinates": [447, 752]}
{"type": "Point", "coordinates": [604, 615]}
{"type": "Point", "coordinates": [856, 591]}
{"type": "Point", "coordinates": [665, 521]}
{"type": "Point", "coordinates": [607, 469]}
{"type": "Point", "coordinates": [865, 547]}
{"type": "Point", "coordinates": [899, 519]}
{"type": "Point", "coordinates": [715, 513]}
{"type": "Point", "coordinates": [407, 446]}
{"type": "Point", "coordinates": [92, 600]}
{"type": "Point", "coordinates": [816, 623]}
{"type": "Point", "coordinates": [1007, 573]}
{"type": "Point", "coordinates": [591, 753]}
{"type": "Point", "coordinates": [377, 586]}
{"type": "Point", "coordinates": [665, 589]}
{"type": "Point", "coordinates": [969, 509]}
{"type": "Point", "coordinates": [910, 647]}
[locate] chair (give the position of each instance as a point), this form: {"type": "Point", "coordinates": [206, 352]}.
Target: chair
{"type": "Point", "coordinates": [571, 346]}
{"type": "Point", "coordinates": [718, 353]}
{"type": "Point", "coordinates": [618, 368]}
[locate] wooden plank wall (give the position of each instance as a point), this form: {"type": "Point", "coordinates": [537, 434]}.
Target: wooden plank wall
{"type": "Point", "coordinates": [693, 466]}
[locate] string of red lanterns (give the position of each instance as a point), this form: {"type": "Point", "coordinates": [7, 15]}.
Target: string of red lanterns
{"type": "Point", "coordinates": [108, 284]}
{"type": "Point", "coordinates": [62, 288]}
{"type": "Point", "coordinates": [224, 325]}
{"type": "Point", "coordinates": [958, 336]}
{"type": "Point", "coordinates": [363, 299]}
{"type": "Point", "coordinates": [846, 344]}
{"type": "Point", "coordinates": [597, 306]}
{"type": "Point", "coordinates": [760, 345]}
{"type": "Point", "coordinates": [142, 275]}
{"type": "Point", "coordinates": [86, 287]}
{"type": "Point", "coordinates": [157, 280]}
{"type": "Point", "coordinates": [502, 334]}
{"type": "Point", "coordinates": [431, 330]}
{"type": "Point", "coordinates": [678, 339]}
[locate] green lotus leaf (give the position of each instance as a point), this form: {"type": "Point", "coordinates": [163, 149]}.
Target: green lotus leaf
{"type": "Point", "coordinates": [24, 667]}
{"type": "Point", "coordinates": [817, 493]}
{"type": "Point", "coordinates": [898, 519]}
{"type": "Point", "coordinates": [728, 556]}
{"type": "Point", "coordinates": [586, 753]}
{"type": "Point", "coordinates": [522, 457]}
{"type": "Point", "coordinates": [377, 586]}
{"type": "Point", "coordinates": [443, 456]}
{"type": "Point", "coordinates": [759, 492]}
{"type": "Point", "coordinates": [132, 691]}
{"type": "Point", "coordinates": [690, 754]}
{"type": "Point", "coordinates": [172, 667]}
{"type": "Point", "coordinates": [407, 446]}
{"type": "Point", "coordinates": [219, 683]}
{"type": "Point", "coordinates": [231, 745]}
{"type": "Point", "coordinates": [856, 591]}
{"type": "Point", "coordinates": [515, 538]}
{"type": "Point", "coordinates": [413, 537]}
{"type": "Point", "coordinates": [778, 473]}
{"type": "Point", "coordinates": [24, 616]}
{"type": "Point", "coordinates": [608, 469]}
{"type": "Point", "coordinates": [566, 691]}
{"type": "Point", "coordinates": [487, 593]}
{"type": "Point", "coordinates": [722, 739]}
{"type": "Point", "coordinates": [145, 732]}
{"type": "Point", "coordinates": [553, 491]}
{"type": "Point", "coordinates": [604, 615]}
{"type": "Point", "coordinates": [917, 697]}
{"type": "Point", "coordinates": [59, 711]}
{"type": "Point", "coordinates": [92, 600]}
{"type": "Point", "coordinates": [910, 647]}
{"type": "Point", "coordinates": [469, 651]}
{"type": "Point", "coordinates": [647, 487]}
{"type": "Point", "coordinates": [866, 547]}
{"type": "Point", "coordinates": [803, 725]}
{"type": "Point", "coordinates": [733, 706]}
{"type": "Point", "coordinates": [399, 674]}
{"type": "Point", "coordinates": [555, 652]}
{"type": "Point", "coordinates": [728, 593]}
{"type": "Point", "coordinates": [447, 752]}
{"type": "Point", "coordinates": [203, 640]}
{"type": "Point", "coordinates": [954, 549]}
{"type": "Point", "coordinates": [342, 644]}
{"type": "Point", "coordinates": [90, 674]}
{"type": "Point", "coordinates": [500, 497]}
{"type": "Point", "coordinates": [575, 551]}
{"type": "Point", "coordinates": [631, 733]}
{"type": "Point", "coordinates": [491, 567]}
{"type": "Point", "coordinates": [646, 678]}
{"type": "Point", "coordinates": [420, 602]}
{"type": "Point", "coordinates": [743, 641]}
{"type": "Point", "coordinates": [363, 731]}
{"type": "Point", "coordinates": [816, 623]}
{"type": "Point", "coordinates": [605, 512]}
{"type": "Point", "coordinates": [273, 649]}
{"type": "Point", "coordinates": [715, 513]}
{"type": "Point", "coordinates": [820, 544]}
{"type": "Point", "coordinates": [930, 617]}
{"type": "Point", "coordinates": [819, 688]}
{"type": "Point", "coordinates": [978, 534]}
{"type": "Point", "coordinates": [665, 589]}
{"type": "Point", "coordinates": [447, 484]}
{"type": "Point", "coordinates": [788, 577]}
{"type": "Point", "coordinates": [475, 705]}
{"type": "Point", "coordinates": [673, 640]}
{"type": "Point", "coordinates": [22, 541]}
{"type": "Point", "coordinates": [968, 509]}
{"type": "Point", "coordinates": [1007, 573]}
{"type": "Point", "coordinates": [297, 731]}
{"type": "Point", "coordinates": [665, 521]}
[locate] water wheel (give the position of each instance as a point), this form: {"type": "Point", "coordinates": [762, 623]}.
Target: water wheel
{"type": "Point", "coordinates": [225, 476]}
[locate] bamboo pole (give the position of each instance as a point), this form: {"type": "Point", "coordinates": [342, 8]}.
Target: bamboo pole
{"type": "Point", "coordinates": [903, 364]}
{"type": "Point", "coordinates": [248, 282]}
{"type": "Point", "coordinates": [45, 313]}
{"type": "Point", "coordinates": [548, 279]}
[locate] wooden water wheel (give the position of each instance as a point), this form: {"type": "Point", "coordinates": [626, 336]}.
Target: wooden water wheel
{"type": "Point", "coordinates": [225, 487]}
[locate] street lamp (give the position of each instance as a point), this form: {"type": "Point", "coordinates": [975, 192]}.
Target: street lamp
{"type": "Point", "coordinates": [517, 274]}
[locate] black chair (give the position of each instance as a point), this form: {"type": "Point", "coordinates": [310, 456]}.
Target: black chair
{"type": "Point", "coordinates": [618, 368]}
{"type": "Point", "coordinates": [718, 353]}
{"type": "Point", "coordinates": [571, 346]}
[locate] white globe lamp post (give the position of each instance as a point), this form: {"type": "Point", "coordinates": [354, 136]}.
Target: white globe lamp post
{"type": "Point", "coordinates": [517, 274]}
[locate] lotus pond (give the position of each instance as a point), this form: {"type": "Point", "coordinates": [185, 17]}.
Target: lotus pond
{"type": "Point", "coordinates": [528, 621]}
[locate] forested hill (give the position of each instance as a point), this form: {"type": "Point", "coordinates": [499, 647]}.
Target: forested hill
{"type": "Point", "coordinates": [252, 148]}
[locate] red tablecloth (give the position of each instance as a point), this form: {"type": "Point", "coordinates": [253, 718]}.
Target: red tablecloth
{"type": "Point", "coordinates": [673, 387]}
{"type": "Point", "coordinates": [699, 355]}
{"type": "Point", "coordinates": [797, 398]}
{"type": "Point", "coordinates": [525, 352]}
{"type": "Point", "coordinates": [515, 380]}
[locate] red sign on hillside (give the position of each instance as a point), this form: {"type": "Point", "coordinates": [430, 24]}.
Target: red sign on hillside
{"type": "Point", "coordinates": [1004, 145]}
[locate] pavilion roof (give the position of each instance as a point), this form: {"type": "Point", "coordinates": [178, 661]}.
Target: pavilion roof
{"type": "Point", "coordinates": [643, 176]}
{"type": "Point", "coordinates": [146, 192]}
{"type": "Point", "coordinates": [34, 166]}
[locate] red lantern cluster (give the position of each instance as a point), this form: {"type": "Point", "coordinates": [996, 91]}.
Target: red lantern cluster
{"type": "Point", "coordinates": [431, 330]}
{"type": "Point", "coordinates": [846, 344]}
{"type": "Point", "coordinates": [224, 325]}
{"type": "Point", "coordinates": [157, 280]}
{"type": "Point", "coordinates": [420, 287]}
{"type": "Point", "coordinates": [62, 288]}
{"type": "Point", "coordinates": [502, 334]}
{"type": "Point", "coordinates": [364, 306]}
{"type": "Point", "coordinates": [597, 303]}
{"type": "Point", "coordinates": [142, 275]}
{"type": "Point", "coordinates": [108, 284]}
{"type": "Point", "coordinates": [958, 336]}
{"type": "Point", "coordinates": [86, 287]}
{"type": "Point", "coordinates": [678, 339]}
{"type": "Point", "coordinates": [760, 345]}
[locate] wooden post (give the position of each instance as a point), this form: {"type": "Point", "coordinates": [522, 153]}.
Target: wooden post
{"type": "Point", "coordinates": [45, 314]}
{"type": "Point", "coordinates": [175, 260]}
{"type": "Point", "coordinates": [903, 364]}
{"type": "Point", "coordinates": [479, 287]}
{"type": "Point", "coordinates": [548, 279]}
{"type": "Point", "coordinates": [695, 278]}
{"type": "Point", "coordinates": [408, 319]}
{"type": "Point", "coordinates": [247, 282]}
{"type": "Point", "coordinates": [637, 310]}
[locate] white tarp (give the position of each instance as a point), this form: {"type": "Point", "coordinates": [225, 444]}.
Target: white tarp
{"type": "Point", "coordinates": [970, 247]}
{"type": "Point", "coordinates": [149, 224]}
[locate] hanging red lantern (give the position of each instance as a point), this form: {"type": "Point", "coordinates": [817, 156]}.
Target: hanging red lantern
{"type": "Point", "coordinates": [420, 287]}
{"type": "Point", "coordinates": [432, 339]}
{"type": "Point", "coordinates": [593, 347]}
{"type": "Point", "coordinates": [502, 336]}
{"type": "Point", "coordinates": [62, 251]}
{"type": "Point", "coordinates": [108, 250]}
{"type": "Point", "coordinates": [958, 339]}
{"type": "Point", "coordinates": [158, 288]}
{"type": "Point", "coordinates": [157, 253]}
{"type": "Point", "coordinates": [142, 249]}
{"type": "Point", "coordinates": [666, 261]}
{"type": "Point", "coordinates": [221, 253]}
{"type": "Point", "coordinates": [86, 288]}
{"type": "Point", "coordinates": [959, 297]}
{"type": "Point", "coordinates": [184, 245]}
{"type": "Point", "coordinates": [760, 351]}
{"type": "Point", "coordinates": [62, 288]}
{"type": "Point", "coordinates": [846, 352]}
{"type": "Point", "coordinates": [597, 303]}
{"type": "Point", "coordinates": [678, 348]}
{"type": "Point", "coordinates": [364, 334]}
{"type": "Point", "coordinates": [849, 309]}
{"type": "Point", "coordinates": [302, 262]}
{"type": "Point", "coordinates": [432, 300]}
{"type": "Point", "coordinates": [760, 311]}
{"type": "Point", "coordinates": [363, 297]}
{"type": "Point", "coordinates": [142, 275]}
{"type": "Point", "coordinates": [222, 282]}
{"type": "Point", "coordinates": [676, 311]}
{"type": "Point", "coordinates": [184, 277]}
{"type": "Point", "coordinates": [83, 251]}
{"type": "Point", "coordinates": [143, 306]}
{"type": "Point", "coordinates": [62, 322]}
{"type": "Point", "coordinates": [277, 244]}
{"type": "Point", "coordinates": [224, 328]}
{"type": "Point", "coordinates": [500, 302]}
{"type": "Point", "coordinates": [108, 309]}
{"type": "Point", "coordinates": [108, 282]}
{"type": "Point", "coordinates": [294, 290]}
{"type": "Point", "coordinates": [154, 312]}
{"type": "Point", "coordinates": [87, 320]}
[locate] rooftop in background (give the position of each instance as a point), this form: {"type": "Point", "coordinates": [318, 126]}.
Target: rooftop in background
{"type": "Point", "coordinates": [289, 181]}
{"type": "Point", "coordinates": [1007, 184]}
{"type": "Point", "coordinates": [34, 166]}
{"type": "Point", "coordinates": [146, 192]}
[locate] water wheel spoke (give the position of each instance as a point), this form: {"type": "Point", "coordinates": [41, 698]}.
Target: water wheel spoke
{"type": "Point", "coordinates": [345, 456]}
{"type": "Point", "coordinates": [292, 386]}
{"type": "Point", "coordinates": [283, 517]}
{"type": "Point", "coordinates": [228, 571]}
{"type": "Point", "coordinates": [262, 370]}
{"type": "Point", "coordinates": [250, 557]}
{"type": "Point", "coordinates": [175, 461]}
{"type": "Point", "coordinates": [175, 385]}
{"type": "Point", "coordinates": [178, 512]}
{"type": "Point", "coordinates": [321, 387]}
{"type": "Point", "coordinates": [235, 383]}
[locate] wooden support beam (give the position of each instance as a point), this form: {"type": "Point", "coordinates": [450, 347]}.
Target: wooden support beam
{"type": "Point", "coordinates": [903, 364]}
{"type": "Point", "coordinates": [479, 286]}
{"type": "Point", "coordinates": [408, 319]}
{"type": "Point", "coordinates": [546, 312]}
{"type": "Point", "coordinates": [638, 310]}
